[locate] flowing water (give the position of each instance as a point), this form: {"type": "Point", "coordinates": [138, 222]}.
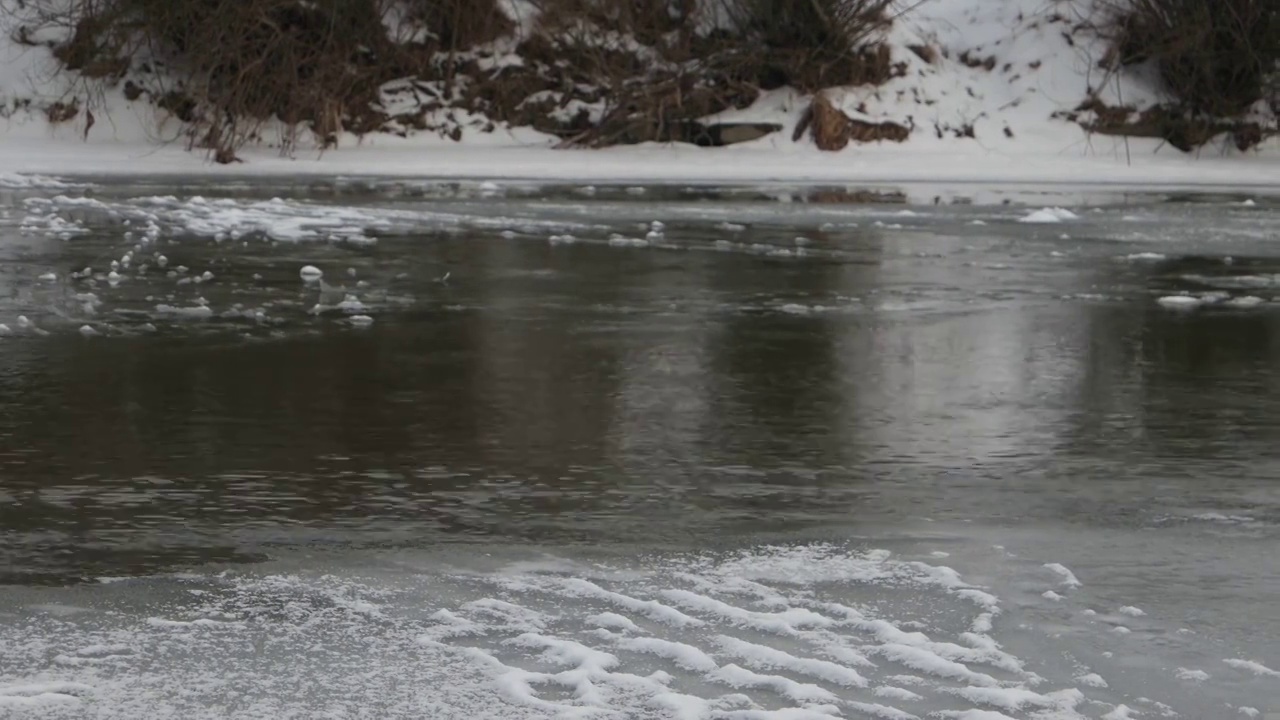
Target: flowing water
{"type": "Point", "coordinates": [537, 452]}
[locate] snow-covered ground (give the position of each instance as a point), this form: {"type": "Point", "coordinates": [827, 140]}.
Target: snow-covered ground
{"type": "Point", "coordinates": [1039, 66]}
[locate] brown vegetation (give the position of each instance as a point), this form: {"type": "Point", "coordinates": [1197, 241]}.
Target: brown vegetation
{"type": "Point", "coordinates": [594, 72]}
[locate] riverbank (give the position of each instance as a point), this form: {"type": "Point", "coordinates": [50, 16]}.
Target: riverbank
{"type": "Point", "coordinates": [1005, 92]}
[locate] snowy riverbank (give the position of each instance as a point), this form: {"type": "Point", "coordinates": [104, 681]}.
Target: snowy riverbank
{"type": "Point", "coordinates": [999, 121]}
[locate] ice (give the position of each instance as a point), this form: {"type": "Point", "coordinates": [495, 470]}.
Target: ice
{"type": "Point", "coordinates": [1051, 595]}
{"type": "Point", "coordinates": [652, 609]}
{"type": "Point", "coordinates": [930, 663]}
{"type": "Point", "coordinates": [48, 277]}
{"type": "Point", "coordinates": [1131, 611]}
{"type": "Point", "coordinates": [1179, 302]}
{"type": "Point", "coordinates": [1049, 215]}
{"type": "Point", "coordinates": [739, 677]}
{"type": "Point", "coordinates": [767, 658]}
{"type": "Point", "coordinates": [613, 620]}
{"type": "Point", "coordinates": [32, 696]}
{"type": "Point", "coordinates": [897, 693]}
{"type": "Point", "coordinates": [1121, 712]}
{"type": "Point", "coordinates": [1069, 578]}
{"type": "Point", "coordinates": [1015, 699]}
{"type": "Point", "coordinates": [787, 622]}
{"type": "Point", "coordinates": [683, 655]}
{"type": "Point", "coordinates": [360, 320]}
{"type": "Point", "coordinates": [1191, 675]}
{"type": "Point", "coordinates": [1145, 257]}
{"type": "Point", "coordinates": [310, 273]}
{"type": "Point", "coordinates": [1091, 680]}
{"type": "Point", "coordinates": [1249, 712]}
{"type": "Point", "coordinates": [1245, 301]}
{"type": "Point", "coordinates": [1252, 666]}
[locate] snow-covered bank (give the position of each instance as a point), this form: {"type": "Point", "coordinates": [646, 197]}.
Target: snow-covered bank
{"type": "Point", "coordinates": [991, 105]}
{"type": "Point", "coordinates": [395, 157]}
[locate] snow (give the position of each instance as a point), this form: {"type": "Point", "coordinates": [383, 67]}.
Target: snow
{"type": "Point", "coordinates": [1252, 666]}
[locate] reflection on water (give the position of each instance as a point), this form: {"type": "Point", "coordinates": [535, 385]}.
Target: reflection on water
{"type": "Point", "coordinates": [598, 393]}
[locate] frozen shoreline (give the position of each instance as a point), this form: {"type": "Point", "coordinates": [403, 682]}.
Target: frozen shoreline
{"type": "Point", "coordinates": [894, 165]}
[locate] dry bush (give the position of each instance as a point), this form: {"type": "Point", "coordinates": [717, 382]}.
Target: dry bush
{"type": "Point", "coordinates": [1215, 57]}
{"type": "Point", "coordinates": [314, 64]}
{"type": "Point", "coordinates": [595, 72]}
{"type": "Point", "coordinates": [811, 44]}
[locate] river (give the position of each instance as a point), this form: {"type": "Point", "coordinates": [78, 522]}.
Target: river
{"type": "Point", "coordinates": [529, 451]}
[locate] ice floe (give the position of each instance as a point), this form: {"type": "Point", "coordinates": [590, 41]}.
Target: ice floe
{"type": "Point", "coordinates": [1049, 215]}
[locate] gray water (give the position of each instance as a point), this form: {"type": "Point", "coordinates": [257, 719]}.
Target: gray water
{"type": "Point", "coordinates": [408, 490]}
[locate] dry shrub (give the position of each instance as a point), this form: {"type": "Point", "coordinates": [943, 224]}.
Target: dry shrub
{"type": "Point", "coordinates": [595, 72]}
{"type": "Point", "coordinates": [314, 64]}
{"type": "Point", "coordinates": [812, 44]}
{"type": "Point", "coordinates": [1215, 57]}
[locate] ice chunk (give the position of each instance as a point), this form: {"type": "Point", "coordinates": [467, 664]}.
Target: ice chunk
{"type": "Point", "coordinates": [1190, 675]}
{"type": "Point", "coordinates": [1245, 301]}
{"type": "Point", "coordinates": [48, 277]}
{"type": "Point", "coordinates": [1131, 611]}
{"type": "Point", "coordinates": [1068, 578]}
{"type": "Point", "coordinates": [1145, 257]}
{"type": "Point", "coordinates": [1051, 595]}
{"type": "Point", "coordinates": [686, 656]}
{"type": "Point", "coordinates": [1179, 302]}
{"type": "Point", "coordinates": [1254, 667]}
{"type": "Point", "coordinates": [360, 320]}
{"type": "Point", "coordinates": [88, 331]}
{"type": "Point", "coordinates": [310, 273]}
{"type": "Point", "coordinates": [1049, 215]}
{"type": "Point", "coordinates": [1092, 680]}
